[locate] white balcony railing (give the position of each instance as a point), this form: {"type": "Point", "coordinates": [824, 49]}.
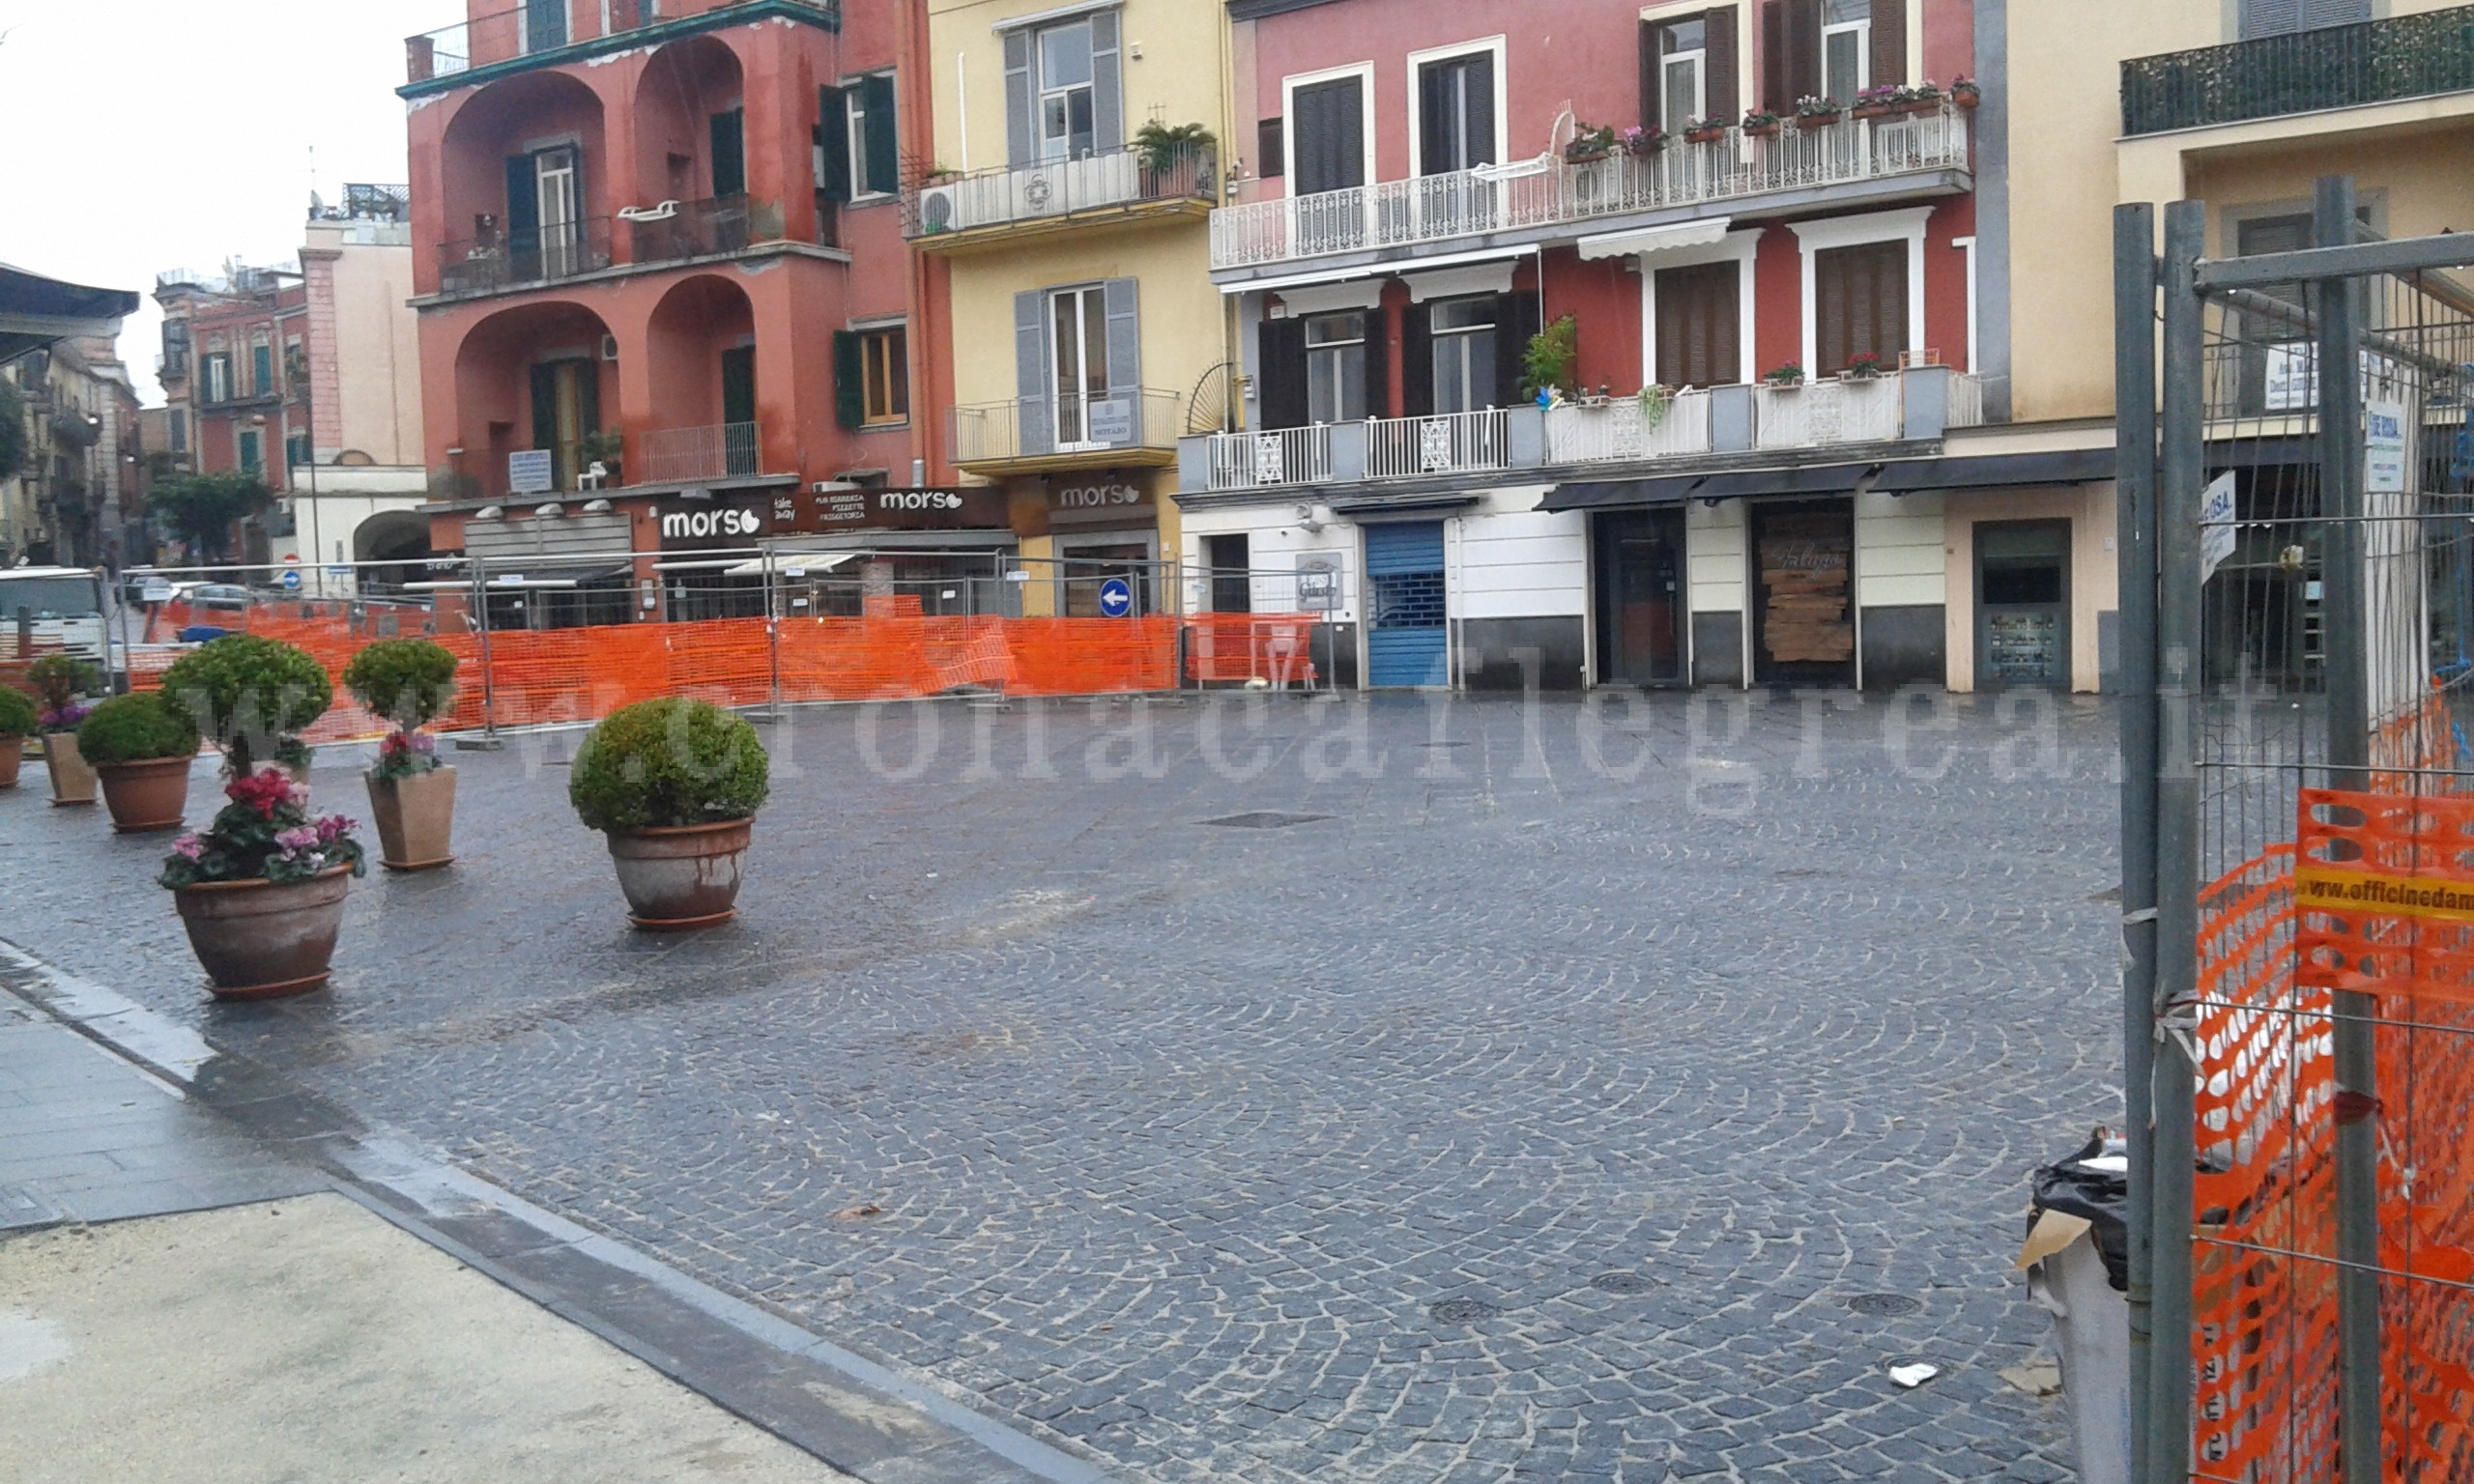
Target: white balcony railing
{"type": "Point", "coordinates": [1625, 429]}
{"type": "Point", "coordinates": [1549, 191]}
{"type": "Point", "coordinates": [1060, 187]}
{"type": "Point", "coordinates": [1840, 411]}
{"type": "Point", "coordinates": [688, 455]}
{"type": "Point", "coordinates": [1966, 402]}
{"type": "Point", "coordinates": [1130, 421]}
{"type": "Point", "coordinates": [1280, 456]}
{"type": "Point", "coordinates": [1451, 443]}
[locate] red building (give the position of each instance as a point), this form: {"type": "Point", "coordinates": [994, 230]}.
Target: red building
{"type": "Point", "coordinates": [1753, 221]}
{"type": "Point", "coordinates": [233, 369]}
{"type": "Point", "coordinates": [662, 243]}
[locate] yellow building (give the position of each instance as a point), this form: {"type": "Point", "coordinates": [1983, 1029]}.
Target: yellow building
{"type": "Point", "coordinates": [1077, 159]}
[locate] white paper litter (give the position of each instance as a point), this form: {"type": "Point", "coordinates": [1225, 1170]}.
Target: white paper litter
{"type": "Point", "coordinates": [1914, 1376]}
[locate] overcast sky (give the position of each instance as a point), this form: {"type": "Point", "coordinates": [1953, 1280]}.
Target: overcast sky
{"type": "Point", "coordinates": [139, 135]}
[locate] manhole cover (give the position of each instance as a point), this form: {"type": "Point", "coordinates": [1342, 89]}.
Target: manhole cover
{"type": "Point", "coordinates": [1264, 819]}
{"type": "Point", "coordinates": [1623, 1283]}
{"type": "Point", "coordinates": [1882, 1305]}
{"type": "Point", "coordinates": [1462, 1311]}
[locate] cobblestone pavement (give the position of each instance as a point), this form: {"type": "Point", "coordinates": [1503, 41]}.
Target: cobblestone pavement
{"type": "Point", "coordinates": [1534, 1112]}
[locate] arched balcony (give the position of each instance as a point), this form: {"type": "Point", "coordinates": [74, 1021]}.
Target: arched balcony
{"type": "Point", "coordinates": [534, 386]}
{"type": "Point", "coordinates": [524, 176]}
{"type": "Point", "coordinates": [701, 367]}
{"type": "Point", "coordinates": [690, 185]}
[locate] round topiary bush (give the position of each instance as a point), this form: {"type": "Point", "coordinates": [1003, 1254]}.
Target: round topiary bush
{"type": "Point", "coordinates": [661, 764]}
{"type": "Point", "coordinates": [252, 695]}
{"type": "Point", "coordinates": [143, 726]}
{"type": "Point", "coordinates": [61, 678]}
{"type": "Point", "coordinates": [409, 681]}
{"type": "Point", "coordinates": [18, 715]}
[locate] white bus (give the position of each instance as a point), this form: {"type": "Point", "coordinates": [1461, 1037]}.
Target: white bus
{"type": "Point", "coordinates": [61, 606]}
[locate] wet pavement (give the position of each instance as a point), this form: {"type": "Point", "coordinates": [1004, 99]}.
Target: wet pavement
{"type": "Point", "coordinates": [1261, 1091]}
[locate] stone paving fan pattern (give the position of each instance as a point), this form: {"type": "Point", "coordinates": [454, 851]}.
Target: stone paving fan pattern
{"type": "Point", "coordinates": [1270, 1155]}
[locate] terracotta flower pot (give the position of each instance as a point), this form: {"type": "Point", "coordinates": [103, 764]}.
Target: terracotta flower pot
{"type": "Point", "coordinates": [1703, 136]}
{"type": "Point", "coordinates": [676, 880]}
{"type": "Point", "coordinates": [416, 816]}
{"type": "Point", "coordinates": [146, 796]}
{"type": "Point", "coordinates": [73, 781]}
{"type": "Point", "coordinates": [1816, 120]}
{"type": "Point", "coordinates": [260, 941]}
{"type": "Point", "coordinates": [13, 755]}
{"type": "Point", "coordinates": [1877, 110]}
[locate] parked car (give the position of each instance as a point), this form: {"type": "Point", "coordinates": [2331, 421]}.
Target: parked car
{"type": "Point", "coordinates": [229, 597]}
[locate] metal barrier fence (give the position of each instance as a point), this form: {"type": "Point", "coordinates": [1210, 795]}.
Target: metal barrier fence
{"type": "Point", "coordinates": [2298, 853]}
{"type": "Point", "coordinates": [756, 627]}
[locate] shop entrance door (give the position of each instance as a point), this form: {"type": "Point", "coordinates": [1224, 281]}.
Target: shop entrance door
{"type": "Point", "coordinates": [1640, 597]}
{"type": "Point", "coordinates": [1803, 615]}
{"type": "Point", "coordinates": [2023, 602]}
{"type": "Point", "coordinates": [1407, 646]}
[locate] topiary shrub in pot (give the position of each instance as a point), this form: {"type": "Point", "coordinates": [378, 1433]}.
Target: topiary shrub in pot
{"type": "Point", "coordinates": [253, 698]}
{"type": "Point", "coordinates": [64, 682]}
{"type": "Point", "coordinates": [412, 795]}
{"type": "Point", "coordinates": [142, 746]}
{"type": "Point", "coordinates": [261, 890]}
{"type": "Point", "coordinates": [19, 720]}
{"type": "Point", "coordinates": [674, 786]}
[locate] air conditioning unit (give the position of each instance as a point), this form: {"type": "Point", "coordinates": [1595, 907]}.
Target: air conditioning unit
{"type": "Point", "coordinates": [940, 210]}
{"type": "Point", "coordinates": [610, 347]}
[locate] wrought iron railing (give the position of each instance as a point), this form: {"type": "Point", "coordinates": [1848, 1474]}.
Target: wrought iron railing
{"type": "Point", "coordinates": [1063, 188]}
{"type": "Point", "coordinates": [1629, 428]}
{"type": "Point", "coordinates": [1271, 458]}
{"type": "Point", "coordinates": [1853, 411]}
{"type": "Point", "coordinates": [1449, 444]}
{"type": "Point", "coordinates": [1047, 428]}
{"type": "Point", "coordinates": [2301, 71]}
{"type": "Point", "coordinates": [692, 229]}
{"type": "Point", "coordinates": [688, 455]}
{"type": "Point", "coordinates": [1550, 191]}
{"type": "Point", "coordinates": [483, 265]}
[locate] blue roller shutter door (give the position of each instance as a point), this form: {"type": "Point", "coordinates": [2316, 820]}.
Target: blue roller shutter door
{"type": "Point", "coordinates": [1406, 641]}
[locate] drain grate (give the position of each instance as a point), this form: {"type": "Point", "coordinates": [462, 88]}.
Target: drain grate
{"type": "Point", "coordinates": [1623, 1283]}
{"type": "Point", "coordinates": [1884, 1306]}
{"type": "Point", "coordinates": [1264, 819]}
{"type": "Point", "coordinates": [1462, 1311]}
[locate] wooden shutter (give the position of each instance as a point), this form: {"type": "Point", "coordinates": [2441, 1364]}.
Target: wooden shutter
{"type": "Point", "coordinates": [883, 163]}
{"type": "Point", "coordinates": [1773, 58]}
{"type": "Point", "coordinates": [1035, 418]}
{"type": "Point", "coordinates": [1107, 86]}
{"type": "Point", "coordinates": [1890, 44]}
{"type": "Point", "coordinates": [850, 380]}
{"type": "Point", "coordinates": [1859, 305]}
{"type": "Point", "coordinates": [545, 404]}
{"type": "Point", "coordinates": [1021, 127]}
{"type": "Point", "coordinates": [523, 204]}
{"type": "Point", "coordinates": [1271, 149]}
{"type": "Point", "coordinates": [1378, 363]}
{"type": "Point", "coordinates": [1516, 324]}
{"type": "Point", "coordinates": [1653, 103]}
{"type": "Point", "coordinates": [730, 152]}
{"type": "Point", "coordinates": [1699, 325]}
{"type": "Point", "coordinates": [1434, 139]}
{"type": "Point", "coordinates": [1417, 361]}
{"type": "Point", "coordinates": [833, 135]}
{"type": "Point", "coordinates": [1720, 66]}
{"type": "Point", "coordinates": [1803, 53]}
{"type": "Point", "coordinates": [1281, 391]}
{"type": "Point", "coordinates": [1478, 77]}
{"type": "Point", "coordinates": [1330, 136]}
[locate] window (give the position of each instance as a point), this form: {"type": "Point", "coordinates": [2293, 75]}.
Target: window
{"type": "Point", "coordinates": [1699, 325]}
{"type": "Point", "coordinates": [179, 430]}
{"type": "Point", "coordinates": [859, 155]}
{"type": "Point", "coordinates": [885, 376]}
{"type": "Point", "coordinates": [1328, 136]}
{"type": "Point", "coordinates": [295, 451]}
{"type": "Point", "coordinates": [2276, 18]}
{"type": "Point", "coordinates": [1067, 110]}
{"type": "Point", "coordinates": [1064, 97]}
{"type": "Point", "coordinates": [1336, 369]}
{"type": "Point", "coordinates": [1228, 560]}
{"type": "Point", "coordinates": [1846, 48]}
{"type": "Point", "coordinates": [261, 369]}
{"type": "Point", "coordinates": [729, 131]}
{"type": "Point", "coordinates": [1464, 354]}
{"type": "Point", "coordinates": [1684, 69]}
{"type": "Point", "coordinates": [1079, 343]}
{"type": "Point", "coordinates": [1859, 305]}
{"type": "Point", "coordinates": [215, 377]}
{"type": "Point", "coordinates": [1456, 114]}
{"type": "Point", "coordinates": [252, 452]}
{"type": "Point", "coordinates": [545, 24]}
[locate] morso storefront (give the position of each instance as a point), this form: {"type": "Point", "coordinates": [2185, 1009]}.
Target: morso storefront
{"type": "Point", "coordinates": [831, 550]}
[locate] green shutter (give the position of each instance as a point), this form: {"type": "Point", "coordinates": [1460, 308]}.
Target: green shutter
{"type": "Point", "coordinates": [833, 135]}
{"type": "Point", "coordinates": [850, 381]}
{"type": "Point", "coordinates": [730, 152]}
{"type": "Point", "coordinates": [883, 146]}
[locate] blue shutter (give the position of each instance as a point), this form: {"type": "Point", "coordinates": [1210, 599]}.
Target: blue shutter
{"type": "Point", "coordinates": [1407, 632]}
{"type": "Point", "coordinates": [1021, 127]}
{"type": "Point", "coordinates": [1107, 86]}
{"type": "Point", "coordinates": [1035, 416]}
{"type": "Point", "coordinates": [1121, 298]}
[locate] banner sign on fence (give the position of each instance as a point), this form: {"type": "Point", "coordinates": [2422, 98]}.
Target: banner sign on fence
{"type": "Point", "coordinates": [2385, 904]}
{"type": "Point", "coordinates": [2384, 447]}
{"type": "Point", "coordinates": [2216, 526]}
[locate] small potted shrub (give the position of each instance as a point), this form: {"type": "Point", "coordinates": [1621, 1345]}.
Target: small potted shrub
{"type": "Point", "coordinates": [261, 890]}
{"type": "Point", "coordinates": [142, 746]}
{"type": "Point", "coordinates": [253, 697]}
{"type": "Point", "coordinates": [1816, 112]}
{"type": "Point", "coordinates": [19, 720]}
{"type": "Point", "coordinates": [1788, 375]}
{"type": "Point", "coordinates": [1706, 131]}
{"type": "Point", "coordinates": [412, 795]}
{"type": "Point", "coordinates": [1589, 143]}
{"type": "Point", "coordinates": [64, 682]}
{"type": "Point", "coordinates": [674, 786]}
{"type": "Point", "coordinates": [1880, 101]}
{"type": "Point", "coordinates": [1759, 123]}
{"type": "Point", "coordinates": [1965, 93]}
{"type": "Point", "coordinates": [1924, 97]}
{"type": "Point", "coordinates": [1643, 140]}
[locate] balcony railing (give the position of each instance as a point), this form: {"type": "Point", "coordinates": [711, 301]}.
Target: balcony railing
{"type": "Point", "coordinates": [2301, 71]}
{"type": "Point", "coordinates": [483, 265]}
{"type": "Point", "coordinates": [1045, 428]}
{"type": "Point", "coordinates": [1629, 429]}
{"type": "Point", "coordinates": [1058, 188]}
{"type": "Point", "coordinates": [1270, 459]}
{"type": "Point", "coordinates": [1551, 192]}
{"type": "Point", "coordinates": [695, 229]}
{"type": "Point", "coordinates": [1869, 411]}
{"type": "Point", "coordinates": [1450, 444]}
{"type": "Point", "coordinates": [692, 455]}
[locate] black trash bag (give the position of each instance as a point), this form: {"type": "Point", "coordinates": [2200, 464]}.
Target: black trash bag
{"type": "Point", "coordinates": [2100, 1195]}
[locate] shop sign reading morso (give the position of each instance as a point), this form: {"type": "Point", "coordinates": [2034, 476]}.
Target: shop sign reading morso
{"type": "Point", "coordinates": [825, 511]}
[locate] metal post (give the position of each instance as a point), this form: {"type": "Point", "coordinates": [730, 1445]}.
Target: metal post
{"type": "Point", "coordinates": [772, 635]}
{"type": "Point", "coordinates": [2135, 509]}
{"type": "Point", "coordinates": [490, 740]}
{"type": "Point", "coordinates": [2348, 639]}
{"type": "Point", "coordinates": [2182, 470]}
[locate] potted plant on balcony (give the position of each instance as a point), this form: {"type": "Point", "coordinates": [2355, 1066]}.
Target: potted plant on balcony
{"type": "Point", "coordinates": [412, 795]}
{"type": "Point", "coordinates": [1759, 123]}
{"type": "Point", "coordinates": [1167, 148]}
{"type": "Point", "coordinates": [674, 784]}
{"type": "Point", "coordinates": [1589, 143]}
{"type": "Point", "coordinates": [142, 746]}
{"type": "Point", "coordinates": [1788, 375]}
{"type": "Point", "coordinates": [1706, 131]}
{"type": "Point", "coordinates": [1656, 401]}
{"type": "Point", "coordinates": [1879, 102]}
{"type": "Point", "coordinates": [18, 721]}
{"type": "Point", "coordinates": [1549, 361]}
{"type": "Point", "coordinates": [1864, 366]}
{"type": "Point", "coordinates": [1965, 93]}
{"type": "Point", "coordinates": [253, 697]}
{"type": "Point", "coordinates": [607, 447]}
{"type": "Point", "coordinates": [64, 682]}
{"type": "Point", "coordinates": [1925, 96]}
{"type": "Point", "coordinates": [261, 890]}
{"type": "Point", "coordinates": [1644, 140]}
{"type": "Point", "coordinates": [1817, 112]}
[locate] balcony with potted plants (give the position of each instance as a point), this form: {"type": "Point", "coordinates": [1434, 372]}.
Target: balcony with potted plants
{"type": "Point", "coordinates": [1908, 144]}
{"type": "Point", "coordinates": [2312, 70]}
{"type": "Point", "coordinates": [1167, 175]}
